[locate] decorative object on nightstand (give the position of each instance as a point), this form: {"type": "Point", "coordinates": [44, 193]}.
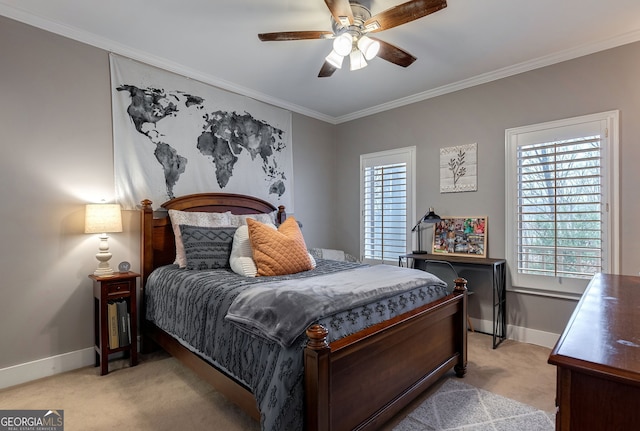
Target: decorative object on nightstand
{"type": "Point", "coordinates": [103, 219]}
{"type": "Point", "coordinates": [115, 317]}
{"type": "Point", "coordinates": [124, 266]}
{"type": "Point", "coordinates": [429, 217]}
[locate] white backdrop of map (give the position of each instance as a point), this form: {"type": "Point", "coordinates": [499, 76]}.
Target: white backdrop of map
{"type": "Point", "coordinates": [175, 136]}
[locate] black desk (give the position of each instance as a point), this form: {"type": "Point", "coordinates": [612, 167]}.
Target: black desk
{"type": "Point", "coordinates": [499, 278]}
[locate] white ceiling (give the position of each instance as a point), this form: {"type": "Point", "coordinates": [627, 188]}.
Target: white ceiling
{"type": "Point", "coordinates": [215, 41]}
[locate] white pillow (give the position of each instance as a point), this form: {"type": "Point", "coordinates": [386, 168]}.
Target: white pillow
{"type": "Point", "coordinates": [241, 259]}
{"type": "Point", "coordinates": [199, 219]}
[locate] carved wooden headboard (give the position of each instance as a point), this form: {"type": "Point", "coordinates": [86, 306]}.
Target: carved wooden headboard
{"type": "Point", "coordinates": [157, 246]}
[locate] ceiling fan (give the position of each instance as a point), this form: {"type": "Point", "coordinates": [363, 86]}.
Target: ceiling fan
{"type": "Point", "coordinates": [351, 23]}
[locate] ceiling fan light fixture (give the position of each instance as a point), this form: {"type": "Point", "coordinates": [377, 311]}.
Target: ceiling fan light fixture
{"type": "Point", "coordinates": [343, 44]}
{"type": "Point", "coordinates": [335, 59]}
{"type": "Point", "coordinates": [351, 22]}
{"type": "Point", "coordinates": [369, 47]}
{"type": "Point", "coordinates": [357, 60]}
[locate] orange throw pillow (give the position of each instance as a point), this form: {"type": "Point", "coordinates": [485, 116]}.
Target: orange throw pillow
{"type": "Point", "coordinates": [278, 252]}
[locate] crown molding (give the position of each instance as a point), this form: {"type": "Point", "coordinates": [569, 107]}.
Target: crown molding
{"type": "Point", "coordinates": [495, 75]}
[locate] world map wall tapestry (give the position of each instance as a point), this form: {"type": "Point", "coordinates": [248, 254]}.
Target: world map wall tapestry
{"type": "Point", "coordinates": [174, 136]}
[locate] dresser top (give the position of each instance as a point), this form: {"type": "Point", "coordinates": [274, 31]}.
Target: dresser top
{"type": "Point", "coordinates": [603, 334]}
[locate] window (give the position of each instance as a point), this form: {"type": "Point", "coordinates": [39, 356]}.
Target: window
{"type": "Point", "coordinates": [561, 203]}
{"type": "Point", "coordinates": [386, 201]}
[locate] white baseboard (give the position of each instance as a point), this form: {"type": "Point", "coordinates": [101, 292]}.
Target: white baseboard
{"type": "Point", "coordinates": [23, 373]}
{"type": "Point", "coordinates": [519, 333]}
{"type": "Point", "coordinates": [46, 367]}
{"type": "Point", "coordinates": [532, 336]}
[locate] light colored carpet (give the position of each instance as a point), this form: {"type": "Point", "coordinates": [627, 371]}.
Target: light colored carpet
{"type": "Point", "coordinates": [456, 406]}
{"type": "Point", "coordinates": [160, 394]}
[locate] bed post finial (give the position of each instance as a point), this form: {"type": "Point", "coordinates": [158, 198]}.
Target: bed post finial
{"type": "Point", "coordinates": [282, 214]}
{"type": "Point", "coordinates": [461, 284]}
{"type": "Point", "coordinates": [317, 337]}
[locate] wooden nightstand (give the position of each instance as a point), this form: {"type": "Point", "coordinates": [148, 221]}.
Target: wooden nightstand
{"type": "Point", "coordinates": [121, 287]}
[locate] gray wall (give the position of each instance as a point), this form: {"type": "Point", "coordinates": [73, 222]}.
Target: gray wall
{"type": "Point", "coordinates": [601, 82]}
{"type": "Point", "coordinates": [56, 139]}
{"type": "Point", "coordinates": [55, 119]}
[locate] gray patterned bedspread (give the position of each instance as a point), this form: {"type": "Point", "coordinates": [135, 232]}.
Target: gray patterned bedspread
{"type": "Point", "coordinates": [192, 305]}
{"type": "Point", "coordinates": [282, 310]}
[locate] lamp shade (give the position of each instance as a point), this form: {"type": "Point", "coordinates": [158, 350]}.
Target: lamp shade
{"type": "Point", "coordinates": [369, 47]}
{"type": "Point", "coordinates": [431, 217]}
{"type": "Point", "coordinates": [357, 60]}
{"type": "Point", "coordinates": [334, 59]}
{"type": "Point", "coordinates": [343, 44]}
{"type": "Point", "coordinates": [102, 218]}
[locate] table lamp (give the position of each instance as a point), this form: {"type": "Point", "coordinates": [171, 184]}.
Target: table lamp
{"type": "Point", "coordinates": [429, 217]}
{"type": "Point", "coordinates": [103, 219]}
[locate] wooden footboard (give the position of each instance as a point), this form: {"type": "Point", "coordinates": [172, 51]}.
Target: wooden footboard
{"type": "Point", "coordinates": [391, 364]}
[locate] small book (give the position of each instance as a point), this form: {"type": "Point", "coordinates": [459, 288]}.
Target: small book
{"type": "Point", "coordinates": [123, 321]}
{"type": "Point", "coordinates": [112, 317]}
{"type": "Point", "coordinates": [129, 326]}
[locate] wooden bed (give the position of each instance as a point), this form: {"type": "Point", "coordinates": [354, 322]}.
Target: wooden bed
{"type": "Point", "coordinates": [357, 382]}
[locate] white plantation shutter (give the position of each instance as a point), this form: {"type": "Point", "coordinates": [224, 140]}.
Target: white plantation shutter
{"type": "Point", "coordinates": [560, 209]}
{"type": "Point", "coordinates": [385, 211]}
{"type": "Point", "coordinates": [561, 190]}
{"type": "Point", "coordinates": [386, 203]}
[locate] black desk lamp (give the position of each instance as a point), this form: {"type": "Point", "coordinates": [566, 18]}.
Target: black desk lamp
{"type": "Point", "coordinates": [429, 217]}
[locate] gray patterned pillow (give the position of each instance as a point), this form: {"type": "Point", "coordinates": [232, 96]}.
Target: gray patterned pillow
{"type": "Point", "coordinates": [238, 220]}
{"type": "Point", "coordinates": [207, 247]}
{"type": "Point", "coordinates": [193, 219]}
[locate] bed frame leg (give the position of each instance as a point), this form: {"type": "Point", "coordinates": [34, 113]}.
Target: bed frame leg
{"type": "Point", "coordinates": [460, 367]}
{"type": "Point", "coordinates": [316, 365]}
{"type": "Point", "coordinates": [147, 344]}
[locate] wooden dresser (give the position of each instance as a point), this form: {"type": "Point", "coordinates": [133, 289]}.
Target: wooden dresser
{"type": "Point", "coordinates": [598, 358]}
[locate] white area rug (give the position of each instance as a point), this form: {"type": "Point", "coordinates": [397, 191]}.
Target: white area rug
{"type": "Point", "coordinates": [456, 406]}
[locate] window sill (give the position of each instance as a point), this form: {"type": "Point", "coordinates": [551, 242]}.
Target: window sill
{"type": "Point", "coordinates": [547, 293]}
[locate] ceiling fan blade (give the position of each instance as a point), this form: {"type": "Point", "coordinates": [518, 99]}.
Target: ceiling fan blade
{"type": "Point", "coordinates": [295, 35]}
{"type": "Point", "coordinates": [326, 70]}
{"type": "Point", "coordinates": [394, 55]}
{"type": "Point", "coordinates": [341, 11]}
{"type": "Point", "coordinates": [402, 14]}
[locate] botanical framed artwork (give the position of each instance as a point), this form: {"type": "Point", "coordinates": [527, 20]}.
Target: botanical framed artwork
{"type": "Point", "coordinates": [460, 236]}
{"type": "Point", "coordinates": [459, 169]}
